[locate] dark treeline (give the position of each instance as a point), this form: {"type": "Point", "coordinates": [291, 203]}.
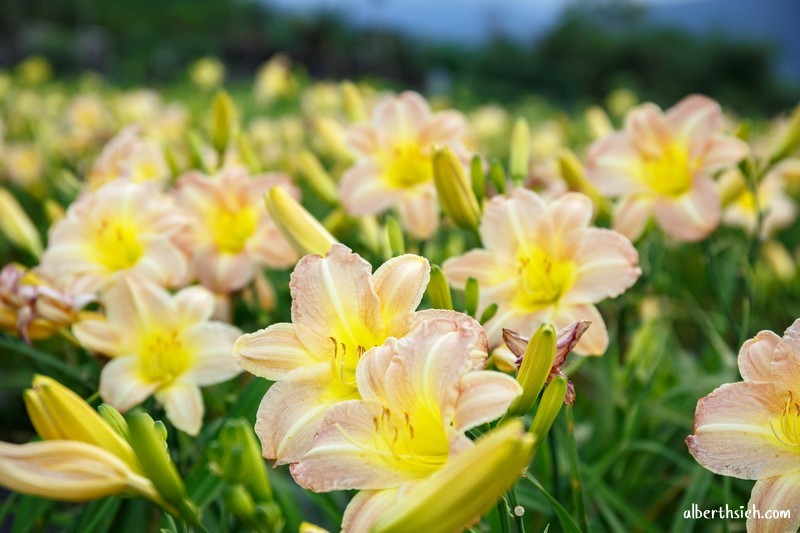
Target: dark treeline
{"type": "Point", "coordinates": [590, 52]}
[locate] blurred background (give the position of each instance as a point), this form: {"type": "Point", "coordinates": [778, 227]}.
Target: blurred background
{"type": "Point", "coordinates": [745, 53]}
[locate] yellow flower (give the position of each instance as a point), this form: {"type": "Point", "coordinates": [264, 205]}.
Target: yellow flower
{"type": "Point", "coordinates": [341, 311]}
{"type": "Point", "coordinates": [393, 167]}
{"type": "Point", "coordinates": [232, 234]}
{"type": "Point", "coordinates": [543, 263]}
{"type": "Point", "coordinates": [119, 228]}
{"type": "Point", "coordinates": [160, 344]}
{"type": "Point", "coordinates": [81, 458]}
{"type": "Point", "coordinates": [751, 429]}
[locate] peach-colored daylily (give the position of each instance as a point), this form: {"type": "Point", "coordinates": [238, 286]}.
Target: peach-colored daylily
{"type": "Point", "coordinates": [662, 165]}
{"type": "Point", "coordinates": [393, 167]}
{"type": "Point", "coordinates": [751, 429]}
{"type": "Point", "coordinates": [129, 155]}
{"type": "Point", "coordinates": [232, 233]}
{"type": "Point", "coordinates": [420, 394]}
{"type": "Point", "coordinates": [340, 312]}
{"type": "Point", "coordinates": [777, 208]}
{"type": "Point", "coordinates": [160, 344]}
{"type": "Point", "coordinates": [121, 227]}
{"type": "Point", "coordinates": [543, 263]}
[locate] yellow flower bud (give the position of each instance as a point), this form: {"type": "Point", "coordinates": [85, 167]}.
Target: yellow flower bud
{"type": "Point", "coordinates": [455, 192]}
{"type": "Point", "coordinates": [298, 226]}
{"type": "Point", "coordinates": [467, 487]}
{"type": "Point", "coordinates": [224, 122]}
{"type": "Point", "coordinates": [791, 139]}
{"type": "Point", "coordinates": [549, 407]}
{"type": "Point", "coordinates": [68, 471]}
{"type": "Point", "coordinates": [574, 175]}
{"type": "Point", "coordinates": [317, 177]}
{"type": "Point", "coordinates": [598, 122]}
{"type": "Point", "coordinates": [520, 148]}
{"type": "Point", "coordinates": [57, 413]}
{"type": "Point", "coordinates": [16, 224]}
{"type": "Point", "coordinates": [353, 103]}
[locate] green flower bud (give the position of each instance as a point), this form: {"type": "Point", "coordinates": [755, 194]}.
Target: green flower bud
{"type": "Point", "coordinates": [520, 155]}
{"type": "Point", "coordinates": [317, 177]}
{"type": "Point", "coordinates": [471, 295]}
{"type": "Point", "coordinates": [455, 190]}
{"type": "Point", "coordinates": [535, 367]}
{"type": "Point", "coordinates": [549, 407]}
{"type": "Point", "coordinates": [438, 290]}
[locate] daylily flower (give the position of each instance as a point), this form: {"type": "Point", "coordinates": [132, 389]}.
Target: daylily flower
{"type": "Point", "coordinates": [31, 306]}
{"type": "Point", "coordinates": [160, 344]}
{"type": "Point", "coordinates": [81, 457]}
{"type": "Point", "coordinates": [420, 394]}
{"type": "Point", "coordinates": [751, 429]}
{"type": "Point", "coordinates": [121, 227]}
{"type": "Point", "coordinates": [543, 263]}
{"type": "Point", "coordinates": [393, 167]}
{"type": "Point", "coordinates": [232, 233]}
{"type": "Point", "coordinates": [340, 312]}
{"type": "Point", "coordinates": [662, 165]}
{"type": "Point", "coordinates": [778, 209]}
{"type": "Point", "coordinates": [129, 155]}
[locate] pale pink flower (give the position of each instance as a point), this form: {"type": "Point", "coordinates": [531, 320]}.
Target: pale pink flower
{"type": "Point", "coordinates": [162, 345]}
{"type": "Point", "coordinates": [393, 167]}
{"type": "Point", "coordinates": [543, 263]}
{"type": "Point", "coordinates": [751, 429]}
{"type": "Point", "coordinates": [232, 234]}
{"type": "Point", "coordinates": [662, 164]}
{"type": "Point", "coordinates": [129, 155]}
{"type": "Point", "coordinates": [420, 394]}
{"type": "Point", "coordinates": [341, 311]}
{"type": "Point", "coordinates": [121, 227]}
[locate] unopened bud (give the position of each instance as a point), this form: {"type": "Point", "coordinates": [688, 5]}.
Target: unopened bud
{"type": "Point", "coordinates": [549, 407]}
{"type": "Point", "coordinates": [298, 226]}
{"type": "Point", "coordinates": [520, 150]}
{"type": "Point", "coordinates": [455, 190]}
{"type": "Point", "coordinates": [438, 290]}
{"type": "Point", "coordinates": [535, 368]}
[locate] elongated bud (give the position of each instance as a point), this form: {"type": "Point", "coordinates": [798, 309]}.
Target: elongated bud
{"type": "Point", "coordinates": [353, 102]}
{"type": "Point", "coordinates": [237, 438]}
{"type": "Point", "coordinates": [791, 139]}
{"type": "Point", "coordinates": [598, 122]}
{"type": "Point", "coordinates": [53, 211]}
{"type": "Point", "coordinates": [150, 445]}
{"type": "Point", "coordinates": [298, 226]}
{"type": "Point", "coordinates": [241, 505]}
{"type": "Point", "coordinates": [455, 190]}
{"type": "Point", "coordinates": [779, 260]}
{"type": "Point", "coordinates": [732, 184]}
{"type": "Point", "coordinates": [536, 364]}
{"type": "Point", "coordinates": [115, 420]}
{"type": "Point", "coordinates": [337, 221]}
{"type": "Point", "coordinates": [224, 122]}
{"type": "Point", "coordinates": [247, 153]}
{"type": "Point", "coordinates": [317, 177]}
{"type": "Point", "coordinates": [549, 407]}
{"type": "Point", "coordinates": [478, 177]}
{"type": "Point", "coordinates": [58, 413]}
{"type": "Point", "coordinates": [488, 313]}
{"type": "Point", "coordinates": [520, 148]}
{"type": "Point", "coordinates": [394, 236]}
{"type": "Point", "coordinates": [498, 176]}
{"type": "Point", "coordinates": [197, 157]}
{"type": "Point", "coordinates": [371, 233]}
{"type": "Point", "coordinates": [471, 296]}
{"type": "Point", "coordinates": [331, 137]}
{"type": "Point", "coordinates": [438, 290]}
{"type": "Point", "coordinates": [16, 224]}
{"type": "Point", "coordinates": [68, 471]}
{"type": "Point", "coordinates": [575, 177]}
{"type": "Point", "coordinates": [466, 488]}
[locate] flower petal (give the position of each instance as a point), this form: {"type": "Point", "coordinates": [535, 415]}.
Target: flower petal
{"type": "Point", "coordinates": [194, 304]}
{"type": "Point", "coordinates": [121, 386]}
{"type": "Point", "coordinates": [184, 406]}
{"type": "Point", "coordinates": [291, 412]}
{"type": "Point", "coordinates": [399, 117]}
{"type": "Point", "coordinates": [692, 216]}
{"type": "Point", "coordinates": [732, 434]}
{"type": "Point", "coordinates": [419, 212]}
{"type": "Point", "coordinates": [786, 362]}
{"type": "Point", "coordinates": [647, 129]}
{"type": "Point", "coordinates": [776, 494]}
{"type": "Point", "coordinates": [347, 454]}
{"type": "Point", "coordinates": [484, 396]}
{"type": "Point", "coordinates": [333, 298]}
{"type": "Point", "coordinates": [363, 139]}
{"type": "Point", "coordinates": [365, 508]}
{"type": "Point", "coordinates": [445, 128]}
{"type": "Point", "coordinates": [273, 352]}
{"type": "Point", "coordinates": [631, 216]}
{"type": "Point", "coordinates": [694, 119]}
{"type": "Point", "coordinates": [400, 283]}
{"type": "Point", "coordinates": [371, 371]}
{"type": "Point", "coordinates": [722, 151]}
{"type": "Point", "coordinates": [364, 192]}
{"type": "Point", "coordinates": [755, 357]}
{"type": "Point", "coordinates": [97, 336]}
{"type": "Point", "coordinates": [608, 264]}
{"type": "Point", "coordinates": [222, 272]}
{"type": "Point", "coordinates": [211, 344]}
{"type": "Point", "coordinates": [614, 165]}
{"type": "Point", "coordinates": [509, 223]}
{"type": "Point", "coordinates": [570, 212]}
{"type": "Point", "coordinates": [595, 340]}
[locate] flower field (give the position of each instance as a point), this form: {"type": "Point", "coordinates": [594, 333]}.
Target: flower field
{"type": "Point", "coordinates": [287, 304]}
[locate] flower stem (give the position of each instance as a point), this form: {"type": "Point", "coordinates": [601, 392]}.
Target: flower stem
{"type": "Point", "coordinates": [574, 467]}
